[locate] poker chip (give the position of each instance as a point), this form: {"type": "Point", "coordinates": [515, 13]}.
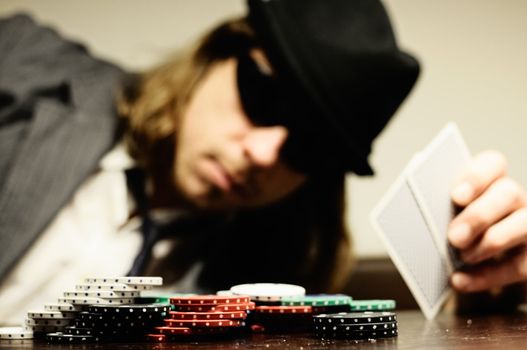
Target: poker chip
{"type": "Point", "coordinates": [15, 333]}
{"type": "Point", "coordinates": [91, 300]}
{"type": "Point", "coordinates": [354, 318]}
{"type": "Point", "coordinates": [101, 294]}
{"type": "Point", "coordinates": [268, 291]}
{"type": "Point", "coordinates": [224, 292]}
{"type": "Point", "coordinates": [153, 281]}
{"type": "Point", "coordinates": [122, 317]}
{"type": "Point", "coordinates": [196, 300]}
{"type": "Point", "coordinates": [43, 329]}
{"type": "Point", "coordinates": [372, 305]}
{"type": "Point", "coordinates": [60, 337]}
{"type": "Point", "coordinates": [284, 309]}
{"type": "Point", "coordinates": [318, 300]}
{"type": "Point", "coordinates": [358, 335]}
{"type": "Point", "coordinates": [46, 314]}
{"type": "Point", "coordinates": [207, 315]}
{"type": "Point", "coordinates": [130, 309]}
{"type": "Point", "coordinates": [220, 307]}
{"type": "Point", "coordinates": [173, 330]}
{"type": "Point", "coordinates": [330, 309]}
{"type": "Point", "coordinates": [339, 328]}
{"type": "Point", "coordinates": [47, 322]}
{"type": "Point", "coordinates": [116, 325]}
{"type": "Point", "coordinates": [78, 330]}
{"type": "Point", "coordinates": [121, 287]}
{"type": "Point", "coordinates": [62, 307]}
{"type": "Point", "coordinates": [202, 323]}
{"type": "Point", "coordinates": [152, 300]}
{"type": "Point", "coordinates": [159, 338]}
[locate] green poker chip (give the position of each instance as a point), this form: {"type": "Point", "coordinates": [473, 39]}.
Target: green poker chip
{"type": "Point", "coordinates": [372, 305]}
{"type": "Point", "coordinates": [318, 300]}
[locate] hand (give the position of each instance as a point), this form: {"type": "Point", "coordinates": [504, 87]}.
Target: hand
{"type": "Point", "coordinates": [492, 227]}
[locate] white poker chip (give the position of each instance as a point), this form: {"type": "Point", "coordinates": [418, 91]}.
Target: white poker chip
{"type": "Point", "coordinates": [48, 322]}
{"type": "Point", "coordinates": [102, 294]}
{"type": "Point", "coordinates": [153, 281]}
{"type": "Point", "coordinates": [268, 291]}
{"type": "Point", "coordinates": [15, 333]}
{"type": "Point", "coordinates": [62, 307]}
{"type": "Point", "coordinates": [94, 301]}
{"type": "Point", "coordinates": [119, 287]}
{"type": "Point", "coordinates": [46, 314]}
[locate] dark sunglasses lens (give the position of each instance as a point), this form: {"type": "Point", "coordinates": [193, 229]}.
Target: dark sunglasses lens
{"type": "Point", "coordinates": [258, 92]}
{"type": "Point", "coordinates": [267, 101]}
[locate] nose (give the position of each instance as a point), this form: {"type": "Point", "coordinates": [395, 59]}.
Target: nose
{"type": "Point", "coordinates": [262, 145]}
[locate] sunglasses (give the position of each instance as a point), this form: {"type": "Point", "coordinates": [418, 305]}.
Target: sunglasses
{"type": "Point", "coordinates": [268, 100]}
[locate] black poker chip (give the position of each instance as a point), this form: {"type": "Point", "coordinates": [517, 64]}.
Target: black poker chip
{"type": "Point", "coordinates": [69, 338]}
{"type": "Point", "coordinates": [342, 328]}
{"type": "Point", "coordinates": [330, 309]}
{"type": "Point", "coordinates": [129, 309]}
{"type": "Point", "coordinates": [118, 325]}
{"type": "Point", "coordinates": [354, 318]}
{"type": "Point", "coordinates": [73, 330]}
{"type": "Point", "coordinates": [122, 317]}
{"type": "Point", "coordinates": [358, 335]}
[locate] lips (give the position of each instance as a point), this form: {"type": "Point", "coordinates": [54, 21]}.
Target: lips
{"type": "Point", "coordinates": [215, 173]}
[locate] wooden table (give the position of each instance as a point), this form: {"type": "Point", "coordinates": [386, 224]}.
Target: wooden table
{"type": "Point", "coordinates": [448, 331]}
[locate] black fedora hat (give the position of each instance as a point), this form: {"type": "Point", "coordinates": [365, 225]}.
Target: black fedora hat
{"type": "Point", "coordinates": [343, 56]}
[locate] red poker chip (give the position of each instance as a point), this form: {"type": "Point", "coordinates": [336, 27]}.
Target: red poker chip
{"type": "Point", "coordinates": [210, 299]}
{"type": "Point", "coordinates": [202, 323]}
{"type": "Point", "coordinates": [218, 308]}
{"type": "Point", "coordinates": [257, 328]}
{"type": "Point", "coordinates": [160, 338]}
{"type": "Point", "coordinates": [284, 309]}
{"type": "Point", "coordinates": [213, 315]}
{"type": "Point", "coordinates": [174, 330]}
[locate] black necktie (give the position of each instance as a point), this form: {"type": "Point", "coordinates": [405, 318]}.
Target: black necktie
{"type": "Point", "coordinates": [135, 179]}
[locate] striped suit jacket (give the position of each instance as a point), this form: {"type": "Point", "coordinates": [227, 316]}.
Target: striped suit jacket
{"type": "Point", "coordinates": [57, 119]}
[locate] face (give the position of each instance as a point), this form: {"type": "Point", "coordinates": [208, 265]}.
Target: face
{"type": "Point", "coordinates": [223, 160]}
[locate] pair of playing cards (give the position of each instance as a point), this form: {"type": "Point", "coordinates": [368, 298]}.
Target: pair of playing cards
{"type": "Point", "coordinates": [413, 218]}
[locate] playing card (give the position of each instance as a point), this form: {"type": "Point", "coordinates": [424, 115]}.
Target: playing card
{"type": "Point", "coordinates": [431, 180]}
{"type": "Point", "coordinates": [401, 225]}
{"type": "Point", "coordinates": [413, 218]}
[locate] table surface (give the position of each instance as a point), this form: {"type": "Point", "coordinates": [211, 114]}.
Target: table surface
{"type": "Point", "coordinates": [447, 331]}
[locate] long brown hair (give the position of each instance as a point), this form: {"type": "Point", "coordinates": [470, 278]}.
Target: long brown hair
{"type": "Point", "coordinates": [301, 239]}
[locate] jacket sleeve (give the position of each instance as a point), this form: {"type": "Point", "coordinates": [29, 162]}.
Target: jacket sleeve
{"type": "Point", "coordinates": [34, 58]}
{"type": "Point", "coordinates": [35, 62]}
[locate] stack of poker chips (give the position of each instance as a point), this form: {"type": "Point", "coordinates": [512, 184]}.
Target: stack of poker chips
{"type": "Point", "coordinates": [58, 318]}
{"type": "Point", "coordinates": [199, 316]}
{"type": "Point", "coordinates": [282, 319]}
{"type": "Point", "coordinates": [356, 325]}
{"type": "Point", "coordinates": [106, 309]}
{"type": "Point", "coordinates": [270, 314]}
{"type": "Point", "coordinates": [113, 323]}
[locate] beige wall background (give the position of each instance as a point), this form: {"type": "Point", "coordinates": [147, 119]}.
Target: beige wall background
{"type": "Point", "coordinates": [474, 72]}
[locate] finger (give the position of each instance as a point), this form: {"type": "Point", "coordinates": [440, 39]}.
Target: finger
{"type": "Point", "coordinates": [508, 233]}
{"type": "Point", "coordinates": [506, 272]}
{"type": "Point", "coordinates": [502, 198]}
{"type": "Point", "coordinates": [482, 171]}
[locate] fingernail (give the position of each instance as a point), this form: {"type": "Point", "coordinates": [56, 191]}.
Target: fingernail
{"type": "Point", "coordinates": [463, 193]}
{"type": "Point", "coordinates": [459, 281]}
{"type": "Point", "coordinates": [459, 234]}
